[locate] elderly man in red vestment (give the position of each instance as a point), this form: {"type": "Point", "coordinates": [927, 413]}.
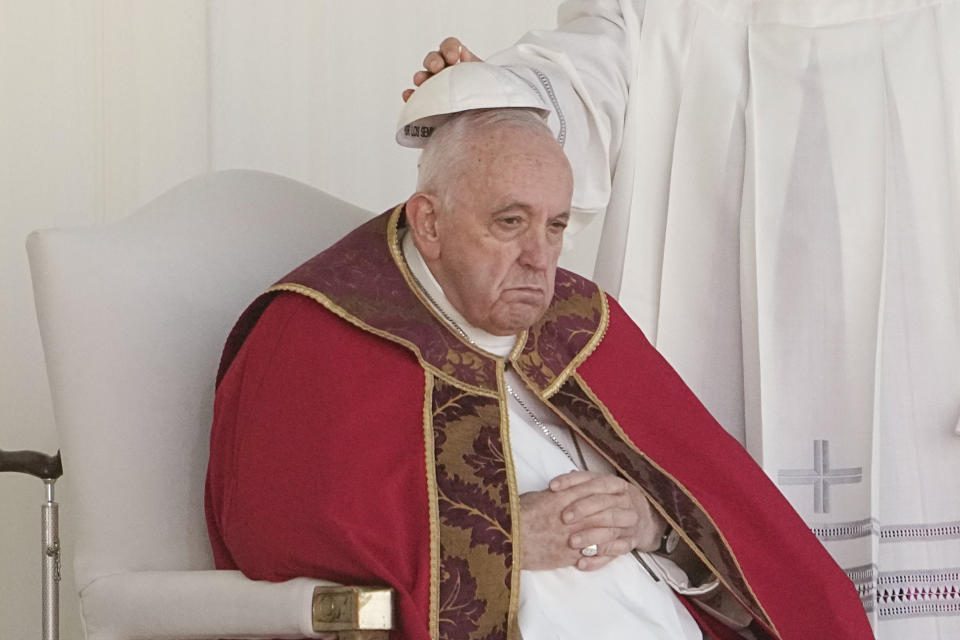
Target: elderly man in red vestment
{"type": "Point", "coordinates": [431, 404]}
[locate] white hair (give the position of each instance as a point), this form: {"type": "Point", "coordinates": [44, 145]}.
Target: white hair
{"type": "Point", "coordinates": [447, 148]}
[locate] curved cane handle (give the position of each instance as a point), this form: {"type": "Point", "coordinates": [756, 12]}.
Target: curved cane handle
{"type": "Point", "coordinates": [32, 462]}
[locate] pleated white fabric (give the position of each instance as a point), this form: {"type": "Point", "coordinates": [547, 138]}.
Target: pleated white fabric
{"type": "Point", "coordinates": [780, 190]}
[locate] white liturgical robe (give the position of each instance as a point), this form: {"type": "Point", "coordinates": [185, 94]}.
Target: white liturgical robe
{"type": "Point", "coordinates": [779, 188]}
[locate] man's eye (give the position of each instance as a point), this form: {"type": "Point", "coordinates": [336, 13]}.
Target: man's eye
{"type": "Point", "coordinates": [510, 221]}
{"type": "Point", "coordinates": [559, 225]}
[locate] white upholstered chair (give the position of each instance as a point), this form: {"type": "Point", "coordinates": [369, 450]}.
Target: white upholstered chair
{"type": "Point", "coordinates": [133, 316]}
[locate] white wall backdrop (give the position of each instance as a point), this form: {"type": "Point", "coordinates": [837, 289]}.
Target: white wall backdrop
{"type": "Point", "coordinates": [311, 89]}
{"type": "Point", "coordinates": [105, 104]}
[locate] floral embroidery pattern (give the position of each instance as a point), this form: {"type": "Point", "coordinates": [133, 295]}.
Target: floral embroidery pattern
{"type": "Point", "coordinates": [467, 506]}
{"type": "Point", "coordinates": [487, 461]}
{"type": "Point", "coordinates": [566, 329]}
{"type": "Point", "coordinates": [460, 610]}
{"type": "Point", "coordinates": [476, 546]}
{"type": "Point", "coordinates": [498, 633]}
{"type": "Point", "coordinates": [367, 285]}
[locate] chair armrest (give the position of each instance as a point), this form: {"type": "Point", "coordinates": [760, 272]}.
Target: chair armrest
{"type": "Point", "coordinates": [175, 605]}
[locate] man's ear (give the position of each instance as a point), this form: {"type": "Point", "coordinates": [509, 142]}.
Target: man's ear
{"type": "Point", "coordinates": [422, 211]}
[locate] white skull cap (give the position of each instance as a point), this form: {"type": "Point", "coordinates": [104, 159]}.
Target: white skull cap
{"type": "Point", "coordinates": [461, 87]}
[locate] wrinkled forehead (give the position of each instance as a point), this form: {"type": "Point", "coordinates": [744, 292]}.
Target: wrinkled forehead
{"type": "Point", "coordinates": [503, 145]}
{"type": "Point", "coordinates": [488, 157]}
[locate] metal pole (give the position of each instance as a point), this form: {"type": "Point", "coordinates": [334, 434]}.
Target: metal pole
{"type": "Point", "coordinates": [48, 469]}
{"type": "Point", "coordinates": [50, 524]}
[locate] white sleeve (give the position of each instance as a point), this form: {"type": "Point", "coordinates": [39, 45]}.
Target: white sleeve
{"type": "Point", "coordinates": [583, 69]}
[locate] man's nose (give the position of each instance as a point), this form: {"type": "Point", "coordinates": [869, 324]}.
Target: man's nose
{"type": "Point", "coordinates": [537, 251]}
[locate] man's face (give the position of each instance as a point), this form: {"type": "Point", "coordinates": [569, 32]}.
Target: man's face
{"type": "Point", "coordinates": [501, 237]}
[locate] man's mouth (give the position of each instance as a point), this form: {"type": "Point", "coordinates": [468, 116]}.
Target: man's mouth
{"type": "Point", "coordinates": [524, 292]}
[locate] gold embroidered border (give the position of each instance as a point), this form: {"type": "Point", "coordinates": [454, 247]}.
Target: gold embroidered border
{"type": "Point", "coordinates": [513, 626]}
{"type": "Point", "coordinates": [432, 505]}
{"type": "Point", "coordinates": [623, 436]}
{"type": "Point", "coordinates": [518, 346]}
{"type": "Point", "coordinates": [337, 310]}
{"type": "Point", "coordinates": [396, 252]}
{"type": "Point", "coordinates": [473, 514]}
{"type": "Point", "coordinates": [589, 348]}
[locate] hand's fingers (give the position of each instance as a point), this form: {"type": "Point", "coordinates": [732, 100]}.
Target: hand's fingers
{"type": "Point", "coordinates": [594, 563]}
{"type": "Point", "coordinates": [592, 504]}
{"type": "Point", "coordinates": [469, 56]}
{"type": "Point", "coordinates": [584, 482]}
{"type": "Point", "coordinates": [642, 529]}
{"type": "Point", "coordinates": [434, 62]}
{"type": "Point", "coordinates": [573, 479]}
{"type": "Point", "coordinates": [582, 485]}
{"type": "Point", "coordinates": [611, 542]}
{"type": "Point", "coordinates": [616, 547]}
{"type": "Point", "coordinates": [546, 539]}
{"type": "Point", "coordinates": [600, 536]}
{"type": "Point", "coordinates": [450, 52]}
{"type": "Point", "coordinates": [420, 77]}
{"type": "Point", "coordinates": [626, 520]}
{"type": "Point", "coordinates": [450, 49]}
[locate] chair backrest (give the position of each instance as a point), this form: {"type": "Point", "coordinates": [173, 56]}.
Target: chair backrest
{"type": "Point", "coordinates": [133, 316]}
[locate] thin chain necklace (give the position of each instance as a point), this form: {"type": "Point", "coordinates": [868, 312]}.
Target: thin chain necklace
{"type": "Point", "coordinates": [546, 431]}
